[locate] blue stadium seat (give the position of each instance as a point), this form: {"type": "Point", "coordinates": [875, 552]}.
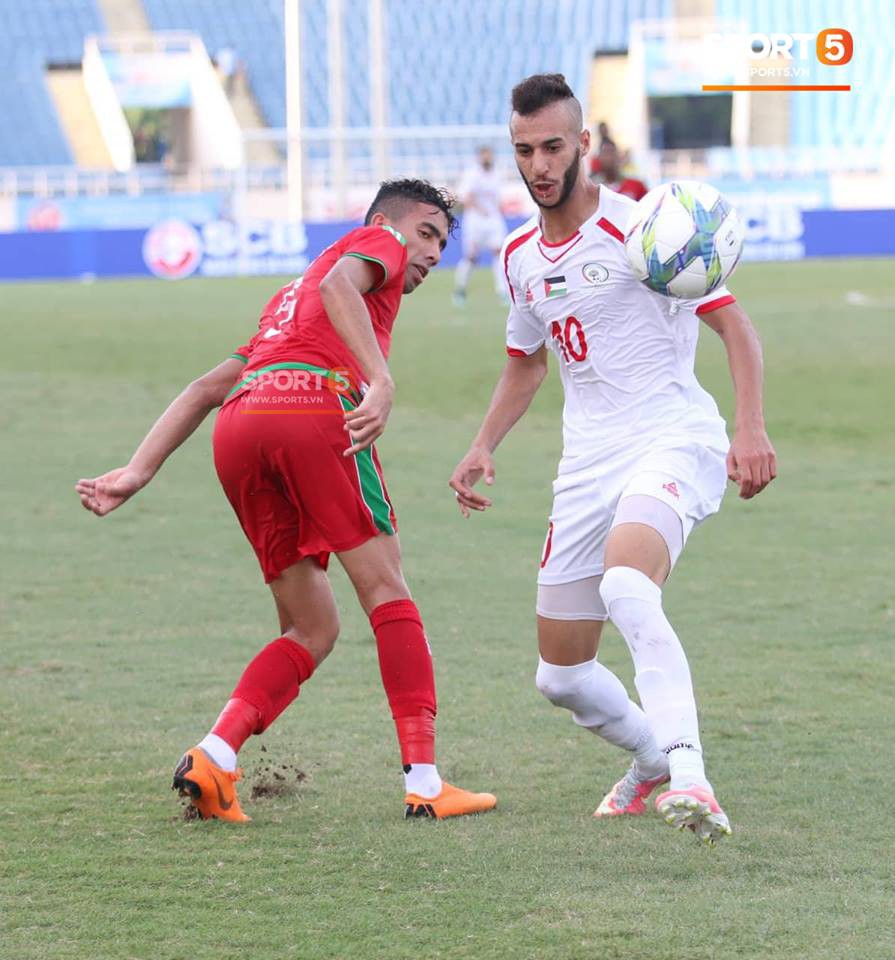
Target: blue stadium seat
{"type": "Point", "coordinates": [36, 33]}
{"type": "Point", "coordinates": [861, 119]}
{"type": "Point", "coordinates": [448, 63]}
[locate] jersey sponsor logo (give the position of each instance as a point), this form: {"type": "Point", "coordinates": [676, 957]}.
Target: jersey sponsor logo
{"type": "Point", "coordinates": [595, 273]}
{"type": "Point", "coordinates": [555, 286]}
{"type": "Point", "coordinates": [172, 249]}
{"type": "Point", "coordinates": [671, 487]}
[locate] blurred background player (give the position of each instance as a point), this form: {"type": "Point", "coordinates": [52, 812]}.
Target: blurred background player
{"type": "Point", "coordinates": [483, 228]}
{"type": "Point", "coordinates": [304, 487]}
{"type": "Point", "coordinates": [607, 171]}
{"type": "Point", "coordinates": [645, 455]}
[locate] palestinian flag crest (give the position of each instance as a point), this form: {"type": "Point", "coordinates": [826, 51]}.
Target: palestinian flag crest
{"type": "Point", "coordinates": [555, 287]}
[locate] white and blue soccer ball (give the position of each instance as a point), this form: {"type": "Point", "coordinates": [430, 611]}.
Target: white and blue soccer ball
{"type": "Point", "coordinates": [683, 239]}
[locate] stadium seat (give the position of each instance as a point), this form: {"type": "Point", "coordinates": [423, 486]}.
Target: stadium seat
{"type": "Point", "coordinates": [35, 34]}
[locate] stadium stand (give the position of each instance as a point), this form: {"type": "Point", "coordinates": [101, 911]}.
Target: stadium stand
{"type": "Point", "coordinates": [465, 75]}
{"type": "Point", "coordinates": [35, 34]}
{"type": "Point", "coordinates": [861, 121]}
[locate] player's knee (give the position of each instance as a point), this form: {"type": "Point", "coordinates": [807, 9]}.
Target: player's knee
{"type": "Point", "coordinates": [384, 588]}
{"type": "Point", "coordinates": [626, 583]}
{"type": "Point", "coordinates": [560, 685]}
{"type": "Point", "coordinates": [319, 638]}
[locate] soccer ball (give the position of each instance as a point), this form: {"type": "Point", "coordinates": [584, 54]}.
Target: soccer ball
{"type": "Point", "coordinates": [683, 239]}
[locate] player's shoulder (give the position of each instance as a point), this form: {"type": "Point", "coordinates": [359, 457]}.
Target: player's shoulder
{"type": "Point", "coordinates": [517, 239]}
{"type": "Point", "coordinates": [373, 233]}
{"type": "Point", "coordinates": [616, 207]}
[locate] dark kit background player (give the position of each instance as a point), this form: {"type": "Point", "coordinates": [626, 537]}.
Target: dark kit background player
{"type": "Point", "coordinates": [305, 482]}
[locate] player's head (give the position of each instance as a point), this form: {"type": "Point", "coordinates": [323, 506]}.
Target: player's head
{"type": "Point", "coordinates": [486, 157]}
{"type": "Point", "coordinates": [610, 161]}
{"type": "Point", "coordinates": [546, 128]}
{"type": "Point", "coordinates": [422, 214]}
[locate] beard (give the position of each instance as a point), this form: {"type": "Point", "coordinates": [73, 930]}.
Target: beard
{"type": "Point", "coordinates": [569, 178]}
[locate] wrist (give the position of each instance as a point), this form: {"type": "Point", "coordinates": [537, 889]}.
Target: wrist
{"type": "Point", "coordinates": [751, 424]}
{"type": "Point", "coordinates": [142, 472]}
{"type": "Point", "coordinates": [481, 445]}
{"type": "Point", "coordinates": [383, 381]}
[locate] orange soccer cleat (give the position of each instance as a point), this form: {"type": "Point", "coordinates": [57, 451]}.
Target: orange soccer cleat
{"type": "Point", "coordinates": [451, 802]}
{"type": "Point", "coordinates": [211, 788]}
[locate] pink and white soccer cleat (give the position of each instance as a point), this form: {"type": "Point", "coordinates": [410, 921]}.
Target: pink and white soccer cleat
{"type": "Point", "coordinates": [696, 808]}
{"type": "Point", "coordinates": [628, 796]}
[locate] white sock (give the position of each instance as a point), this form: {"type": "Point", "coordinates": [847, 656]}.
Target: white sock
{"type": "Point", "coordinates": [422, 779]}
{"type": "Point", "coordinates": [461, 277]}
{"type": "Point", "coordinates": [599, 702]}
{"type": "Point", "coordinates": [500, 282]}
{"type": "Point", "coordinates": [662, 673]}
{"type": "Point", "coordinates": [219, 750]}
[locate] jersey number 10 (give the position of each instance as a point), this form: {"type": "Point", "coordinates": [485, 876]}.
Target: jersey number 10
{"type": "Point", "coordinates": [571, 349]}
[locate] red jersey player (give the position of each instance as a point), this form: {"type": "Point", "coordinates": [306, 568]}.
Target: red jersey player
{"type": "Point", "coordinates": [306, 486]}
{"type": "Point", "coordinates": [606, 169]}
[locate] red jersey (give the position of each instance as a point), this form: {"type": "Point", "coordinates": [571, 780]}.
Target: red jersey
{"type": "Point", "coordinates": [635, 189]}
{"type": "Point", "coordinates": [294, 326]}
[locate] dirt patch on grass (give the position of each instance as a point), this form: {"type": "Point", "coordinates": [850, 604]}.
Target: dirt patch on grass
{"type": "Point", "coordinates": [270, 780]}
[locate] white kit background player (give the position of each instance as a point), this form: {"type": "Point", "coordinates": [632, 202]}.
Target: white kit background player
{"type": "Point", "coordinates": [645, 455]}
{"type": "Point", "coordinates": [482, 226]}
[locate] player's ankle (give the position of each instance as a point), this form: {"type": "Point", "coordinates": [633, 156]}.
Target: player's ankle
{"type": "Point", "coordinates": [219, 750]}
{"type": "Point", "coordinates": [422, 779]}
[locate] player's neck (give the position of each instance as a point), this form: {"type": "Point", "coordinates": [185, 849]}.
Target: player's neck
{"type": "Point", "coordinates": [560, 223]}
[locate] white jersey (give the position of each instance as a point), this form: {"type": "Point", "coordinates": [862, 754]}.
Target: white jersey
{"type": "Point", "coordinates": [480, 191]}
{"type": "Point", "coordinates": [626, 354]}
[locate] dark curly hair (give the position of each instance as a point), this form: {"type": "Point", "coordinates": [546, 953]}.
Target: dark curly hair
{"type": "Point", "coordinates": [393, 195]}
{"type": "Point", "coordinates": [539, 91]}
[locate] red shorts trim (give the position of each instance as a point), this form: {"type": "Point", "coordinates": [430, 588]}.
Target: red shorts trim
{"type": "Point", "coordinates": [293, 492]}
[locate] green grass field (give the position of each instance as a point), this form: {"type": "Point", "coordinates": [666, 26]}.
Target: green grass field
{"type": "Point", "coordinates": [120, 639]}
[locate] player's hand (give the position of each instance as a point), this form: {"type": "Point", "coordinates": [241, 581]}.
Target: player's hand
{"type": "Point", "coordinates": [366, 423]}
{"type": "Point", "coordinates": [751, 462]}
{"type": "Point", "coordinates": [102, 495]}
{"type": "Point", "coordinates": [475, 465]}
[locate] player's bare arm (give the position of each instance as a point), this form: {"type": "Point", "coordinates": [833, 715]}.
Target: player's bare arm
{"type": "Point", "coordinates": [519, 382]}
{"type": "Point", "coordinates": [751, 462]}
{"type": "Point", "coordinates": [341, 291]}
{"type": "Point", "coordinates": [105, 493]}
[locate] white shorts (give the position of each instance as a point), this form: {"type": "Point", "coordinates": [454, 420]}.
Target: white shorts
{"type": "Point", "coordinates": [480, 234]}
{"type": "Point", "coordinates": [689, 476]}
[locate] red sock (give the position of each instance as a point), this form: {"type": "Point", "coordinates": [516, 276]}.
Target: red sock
{"type": "Point", "coordinates": [268, 685]}
{"type": "Point", "coordinates": [405, 663]}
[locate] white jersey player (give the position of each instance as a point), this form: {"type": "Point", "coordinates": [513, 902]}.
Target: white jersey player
{"type": "Point", "coordinates": [645, 455]}
{"type": "Point", "coordinates": [482, 227]}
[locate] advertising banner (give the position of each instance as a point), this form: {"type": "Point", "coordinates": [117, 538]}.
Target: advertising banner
{"type": "Point", "coordinates": [174, 249]}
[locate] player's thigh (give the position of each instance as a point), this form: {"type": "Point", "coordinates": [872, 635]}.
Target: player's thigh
{"type": "Point", "coordinates": [268, 518]}
{"type": "Point", "coordinates": [376, 572]}
{"type": "Point", "coordinates": [640, 546]}
{"type": "Point", "coordinates": [496, 234]}
{"type": "Point", "coordinates": [306, 607]}
{"type": "Point", "coordinates": [576, 531]}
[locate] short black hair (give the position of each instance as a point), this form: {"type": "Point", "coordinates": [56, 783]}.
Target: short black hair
{"type": "Point", "coordinates": [539, 91]}
{"type": "Point", "coordinates": [393, 194]}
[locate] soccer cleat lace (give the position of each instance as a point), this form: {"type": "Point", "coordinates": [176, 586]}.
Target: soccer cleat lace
{"type": "Point", "coordinates": [627, 797]}
{"type": "Point", "coordinates": [451, 802]}
{"type": "Point", "coordinates": [211, 788]}
{"type": "Point", "coordinates": [697, 809]}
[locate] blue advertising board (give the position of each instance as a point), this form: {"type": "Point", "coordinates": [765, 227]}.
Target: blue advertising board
{"type": "Point", "coordinates": [119, 212]}
{"type": "Point", "coordinates": [174, 249]}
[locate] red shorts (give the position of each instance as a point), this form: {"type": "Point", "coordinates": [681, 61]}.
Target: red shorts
{"type": "Point", "coordinates": [279, 458]}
